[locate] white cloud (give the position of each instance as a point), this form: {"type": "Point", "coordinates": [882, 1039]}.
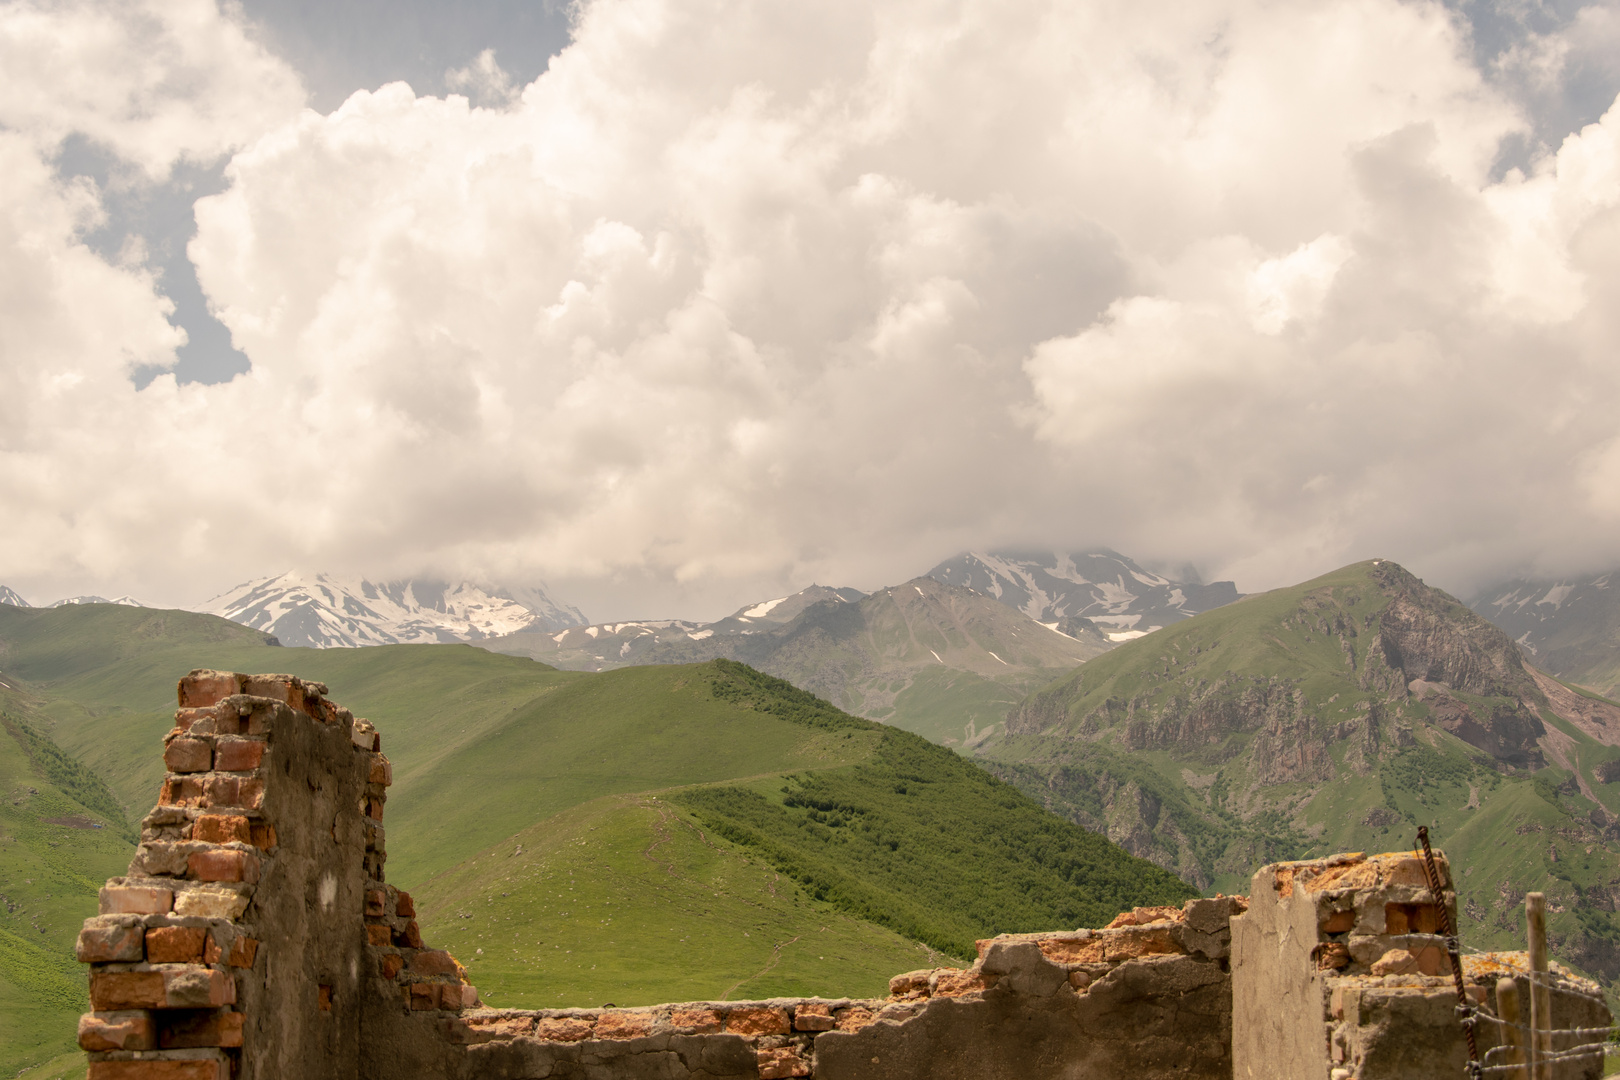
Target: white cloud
{"type": "Point", "coordinates": [739, 294]}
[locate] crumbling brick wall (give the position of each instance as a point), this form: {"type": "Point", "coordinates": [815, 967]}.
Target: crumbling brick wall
{"type": "Point", "coordinates": [1340, 973]}
{"type": "Point", "coordinates": [256, 937]}
{"type": "Point", "coordinates": [248, 924]}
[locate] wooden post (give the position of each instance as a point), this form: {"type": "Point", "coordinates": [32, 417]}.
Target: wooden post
{"type": "Point", "coordinates": [1507, 1008]}
{"type": "Point", "coordinates": [1535, 911]}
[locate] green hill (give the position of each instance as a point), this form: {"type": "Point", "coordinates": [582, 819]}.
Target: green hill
{"type": "Point", "coordinates": [714, 823]}
{"type": "Point", "coordinates": [936, 659]}
{"type": "Point", "coordinates": [1337, 715]}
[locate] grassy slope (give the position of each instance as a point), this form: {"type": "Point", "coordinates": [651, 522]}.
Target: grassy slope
{"type": "Point", "coordinates": [51, 864]}
{"type": "Point", "coordinates": [491, 751]}
{"type": "Point", "coordinates": [629, 899]}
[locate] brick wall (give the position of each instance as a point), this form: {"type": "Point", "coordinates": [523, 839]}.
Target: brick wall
{"type": "Point", "coordinates": [256, 937]}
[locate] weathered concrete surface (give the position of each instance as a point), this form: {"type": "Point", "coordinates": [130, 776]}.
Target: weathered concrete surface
{"type": "Point", "coordinates": [1339, 972]}
{"type": "Point", "coordinates": [1276, 989]}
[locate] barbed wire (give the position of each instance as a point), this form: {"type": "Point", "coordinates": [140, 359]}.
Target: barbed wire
{"type": "Point", "coordinates": [1479, 1069]}
{"type": "Point", "coordinates": [1477, 1014]}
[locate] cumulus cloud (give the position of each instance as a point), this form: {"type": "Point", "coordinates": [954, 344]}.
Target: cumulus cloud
{"type": "Point", "coordinates": [736, 296]}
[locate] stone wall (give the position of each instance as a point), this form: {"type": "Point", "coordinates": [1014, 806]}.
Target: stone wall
{"type": "Point", "coordinates": [256, 937]}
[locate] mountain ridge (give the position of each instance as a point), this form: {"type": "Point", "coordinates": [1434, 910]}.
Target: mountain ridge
{"type": "Point", "coordinates": [325, 611]}
{"type": "Point", "coordinates": [1336, 715]}
{"type": "Point", "coordinates": [1100, 587]}
{"type": "Point", "coordinates": [934, 658]}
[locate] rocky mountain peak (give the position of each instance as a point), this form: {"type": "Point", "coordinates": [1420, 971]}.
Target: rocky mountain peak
{"type": "Point", "coordinates": [1107, 589]}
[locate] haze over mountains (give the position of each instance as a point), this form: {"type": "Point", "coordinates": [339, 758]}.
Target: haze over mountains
{"type": "Point", "coordinates": [1570, 627]}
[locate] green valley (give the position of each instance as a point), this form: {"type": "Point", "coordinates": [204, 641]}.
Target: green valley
{"type": "Point", "coordinates": [721, 832]}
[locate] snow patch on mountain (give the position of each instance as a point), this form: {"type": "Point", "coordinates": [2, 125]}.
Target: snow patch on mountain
{"type": "Point", "coordinates": [7, 596]}
{"type": "Point", "coordinates": [324, 611]}
{"type": "Point", "coordinates": [123, 601]}
{"type": "Point", "coordinates": [1101, 586]}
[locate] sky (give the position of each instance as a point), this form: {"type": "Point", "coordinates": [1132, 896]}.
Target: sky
{"type": "Point", "coordinates": [675, 306]}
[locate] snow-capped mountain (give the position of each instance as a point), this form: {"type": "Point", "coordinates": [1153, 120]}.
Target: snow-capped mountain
{"type": "Point", "coordinates": [323, 611]}
{"type": "Point", "coordinates": [7, 596]}
{"type": "Point", "coordinates": [1103, 586]}
{"type": "Point", "coordinates": [125, 601]}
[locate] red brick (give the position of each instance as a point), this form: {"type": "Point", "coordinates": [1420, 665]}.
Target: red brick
{"type": "Point", "coordinates": [781, 1063]}
{"type": "Point", "coordinates": [423, 996]}
{"type": "Point", "coordinates": [697, 1021]}
{"type": "Point", "coordinates": [185, 755]}
{"type": "Point", "coordinates": [411, 936]}
{"type": "Point", "coordinates": [376, 903]}
{"type": "Point", "coordinates": [374, 809]}
{"type": "Point", "coordinates": [381, 771]}
{"type": "Point", "coordinates": [1340, 922]}
{"type": "Point", "coordinates": [759, 1020]}
{"type": "Point", "coordinates": [175, 944]}
{"type": "Point", "coordinates": [625, 1025]}
{"type": "Point", "coordinates": [392, 964]}
{"type": "Point", "coordinates": [159, 1070]}
{"type": "Point", "coordinates": [222, 829]}
{"type": "Point", "coordinates": [433, 962]}
{"type": "Point", "coordinates": [243, 950]}
{"type": "Point", "coordinates": [323, 998]}
{"type": "Point", "coordinates": [184, 718]}
{"type": "Point", "coordinates": [203, 688]}
{"type": "Point", "coordinates": [196, 987]}
{"type": "Point", "coordinates": [379, 934]}
{"type": "Point", "coordinates": [264, 836]}
{"type": "Point", "coordinates": [812, 1018]}
{"type": "Point", "coordinates": [135, 900]}
{"type": "Point", "coordinates": [223, 864]}
{"type": "Point", "coordinates": [181, 791]}
{"type": "Point", "coordinates": [100, 1032]}
{"type": "Point", "coordinates": [113, 991]}
{"type": "Point", "coordinates": [198, 1029]}
{"type": "Point", "coordinates": [563, 1028]}
{"type": "Point", "coordinates": [404, 906]}
{"type": "Point", "coordinates": [109, 944]}
{"type": "Point", "coordinates": [238, 755]}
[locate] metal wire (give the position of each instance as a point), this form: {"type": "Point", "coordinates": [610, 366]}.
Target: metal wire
{"type": "Point", "coordinates": [1451, 939]}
